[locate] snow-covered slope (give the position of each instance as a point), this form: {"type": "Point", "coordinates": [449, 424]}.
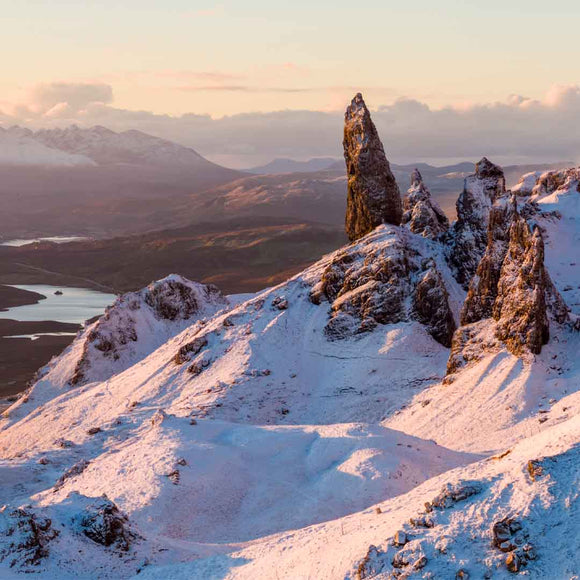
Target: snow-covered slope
{"type": "Point", "coordinates": [108, 147]}
{"type": "Point", "coordinates": [285, 435]}
{"type": "Point", "coordinates": [18, 147]}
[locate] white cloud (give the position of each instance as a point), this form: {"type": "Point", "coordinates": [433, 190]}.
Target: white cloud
{"type": "Point", "coordinates": [518, 129]}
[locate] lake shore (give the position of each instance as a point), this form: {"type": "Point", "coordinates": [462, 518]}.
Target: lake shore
{"type": "Point", "coordinates": [11, 297]}
{"type": "Point", "coordinates": [21, 357]}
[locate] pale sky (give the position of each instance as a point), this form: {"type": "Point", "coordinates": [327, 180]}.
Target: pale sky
{"type": "Point", "coordinates": [228, 57]}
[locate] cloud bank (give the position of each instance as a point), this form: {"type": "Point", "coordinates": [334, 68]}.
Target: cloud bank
{"type": "Point", "coordinates": [516, 130]}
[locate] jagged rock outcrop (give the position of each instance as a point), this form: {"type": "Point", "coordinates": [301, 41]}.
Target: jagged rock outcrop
{"type": "Point", "coordinates": [468, 236]}
{"type": "Point", "coordinates": [27, 537]}
{"type": "Point", "coordinates": [513, 287]}
{"type": "Point", "coordinates": [422, 214]}
{"type": "Point", "coordinates": [373, 193]}
{"type": "Point", "coordinates": [525, 292]}
{"type": "Point", "coordinates": [105, 524]}
{"type": "Point", "coordinates": [138, 321]}
{"type": "Point", "coordinates": [383, 283]}
{"type": "Point", "coordinates": [483, 286]}
{"type": "Point", "coordinates": [431, 306]}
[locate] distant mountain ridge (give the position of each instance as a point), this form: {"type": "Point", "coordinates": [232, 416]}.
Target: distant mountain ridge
{"type": "Point", "coordinates": [101, 146]}
{"type": "Point", "coordinates": [285, 165]}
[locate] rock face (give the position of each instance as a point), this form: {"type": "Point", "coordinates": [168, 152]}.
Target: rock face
{"type": "Point", "coordinates": [512, 286]}
{"type": "Point", "coordinates": [483, 286]}
{"type": "Point", "coordinates": [524, 292]}
{"type": "Point", "coordinates": [384, 282]}
{"type": "Point", "coordinates": [373, 193]}
{"type": "Point", "coordinates": [29, 535]}
{"type": "Point", "coordinates": [468, 237]}
{"type": "Point", "coordinates": [431, 306]}
{"type": "Point", "coordinates": [422, 213]}
{"type": "Point", "coordinates": [138, 321]}
{"type": "Point", "coordinates": [105, 524]}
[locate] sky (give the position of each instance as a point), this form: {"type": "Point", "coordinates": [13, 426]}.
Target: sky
{"type": "Point", "coordinates": [64, 60]}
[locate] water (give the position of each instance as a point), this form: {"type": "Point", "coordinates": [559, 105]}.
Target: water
{"type": "Point", "coordinates": [57, 240]}
{"type": "Point", "coordinates": [75, 305]}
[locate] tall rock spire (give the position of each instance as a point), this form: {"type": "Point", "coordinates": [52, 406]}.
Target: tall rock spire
{"type": "Point", "coordinates": [525, 292]}
{"type": "Point", "coordinates": [469, 232]}
{"type": "Point", "coordinates": [373, 193]}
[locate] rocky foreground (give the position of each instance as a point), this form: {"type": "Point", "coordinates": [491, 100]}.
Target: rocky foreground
{"type": "Point", "coordinates": [405, 407]}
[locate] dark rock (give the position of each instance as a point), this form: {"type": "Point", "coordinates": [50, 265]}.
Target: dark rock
{"type": "Point", "coordinates": [280, 303]}
{"type": "Point", "coordinates": [420, 563]}
{"type": "Point", "coordinates": [513, 563]}
{"type": "Point", "coordinates": [422, 522]}
{"type": "Point", "coordinates": [29, 535]}
{"type": "Point", "coordinates": [399, 560]}
{"type": "Point", "coordinates": [75, 470]}
{"type": "Point", "coordinates": [468, 236]}
{"type": "Point", "coordinates": [483, 286]}
{"type": "Point", "coordinates": [422, 214]}
{"type": "Point", "coordinates": [524, 293]}
{"type": "Point", "coordinates": [94, 430]}
{"type": "Point", "coordinates": [453, 493]}
{"type": "Point", "coordinates": [535, 469]}
{"type": "Point", "coordinates": [105, 524]}
{"type": "Point", "coordinates": [462, 574]}
{"type": "Point", "coordinates": [373, 194]}
{"type": "Point", "coordinates": [372, 564]}
{"type": "Point", "coordinates": [191, 348]}
{"type": "Point", "coordinates": [400, 539]}
{"type": "Point", "coordinates": [431, 306]}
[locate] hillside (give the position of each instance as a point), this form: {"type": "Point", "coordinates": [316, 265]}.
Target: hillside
{"type": "Point", "coordinates": [406, 406]}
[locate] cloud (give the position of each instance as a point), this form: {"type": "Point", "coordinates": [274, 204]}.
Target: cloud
{"type": "Point", "coordinates": [45, 97]}
{"type": "Point", "coordinates": [518, 129]}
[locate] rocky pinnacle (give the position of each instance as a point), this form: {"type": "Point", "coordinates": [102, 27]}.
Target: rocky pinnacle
{"type": "Point", "coordinates": [373, 194]}
{"type": "Point", "coordinates": [469, 234]}
{"type": "Point", "coordinates": [421, 212]}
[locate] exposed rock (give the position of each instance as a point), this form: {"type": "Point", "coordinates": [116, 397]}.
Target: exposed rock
{"type": "Point", "coordinates": [431, 307]}
{"type": "Point", "coordinates": [29, 537]}
{"type": "Point", "coordinates": [422, 213]}
{"type": "Point", "coordinates": [105, 524]}
{"type": "Point", "coordinates": [483, 286]}
{"type": "Point", "coordinates": [513, 563]}
{"type": "Point", "coordinates": [552, 181]}
{"type": "Point", "coordinates": [400, 538]}
{"type": "Point", "coordinates": [462, 574]}
{"type": "Point", "coordinates": [155, 313]}
{"type": "Point", "coordinates": [383, 283]}
{"type": "Point", "coordinates": [158, 417]}
{"type": "Point", "coordinates": [535, 469]}
{"type": "Point", "coordinates": [421, 522]}
{"type": "Point", "coordinates": [468, 236]}
{"type": "Point", "coordinates": [524, 291]}
{"type": "Point", "coordinates": [453, 493]}
{"type": "Point", "coordinates": [372, 564]}
{"type": "Point", "coordinates": [373, 194]}
{"type": "Point", "coordinates": [75, 470]}
{"type": "Point", "coordinates": [280, 303]}
{"type": "Point", "coordinates": [191, 348]}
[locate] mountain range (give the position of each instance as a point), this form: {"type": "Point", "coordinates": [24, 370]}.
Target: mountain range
{"type": "Point", "coordinates": [405, 407]}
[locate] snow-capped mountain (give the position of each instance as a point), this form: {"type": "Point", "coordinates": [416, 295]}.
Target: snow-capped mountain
{"type": "Point", "coordinates": [18, 147]}
{"type": "Point", "coordinates": [368, 418]}
{"type": "Point", "coordinates": [97, 145]}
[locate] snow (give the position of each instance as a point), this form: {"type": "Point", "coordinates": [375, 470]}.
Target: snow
{"type": "Point", "coordinates": [265, 450]}
{"type": "Point", "coordinates": [20, 148]}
